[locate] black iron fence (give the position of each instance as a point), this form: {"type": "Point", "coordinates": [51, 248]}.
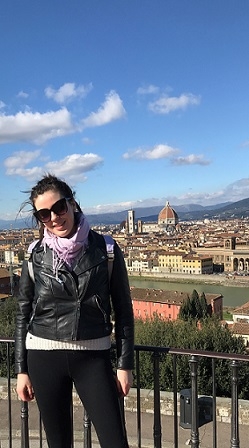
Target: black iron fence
{"type": "Point", "coordinates": [189, 410]}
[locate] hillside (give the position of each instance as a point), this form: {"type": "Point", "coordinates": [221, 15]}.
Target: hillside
{"type": "Point", "coordinates": [186, 212]}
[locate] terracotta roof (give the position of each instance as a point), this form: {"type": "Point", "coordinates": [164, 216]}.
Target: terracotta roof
{"type": "Point", "coordinates": [167, 213]}
{"type": "Point", "coordinates": [243, 309]}
{"type": "Point", "coordinates": [196, 257]}
{"type": "Point", "coordinates": [163, 296]}
{"type": "Point", "coordinates": [240, 328]}
{"type": "Point", "coordinates": [4, 296]}
{"type": "Point", "coordinates": [4, 273]}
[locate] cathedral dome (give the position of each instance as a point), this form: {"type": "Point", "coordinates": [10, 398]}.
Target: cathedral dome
{"type": "Point", "coordinates": [167, 216]}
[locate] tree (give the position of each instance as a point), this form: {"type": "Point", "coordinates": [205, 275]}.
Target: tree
{"type": "Point", "coordinates": [8, 317]}
{"type": "Point", "coordinates": [195, 307]}
{"type": "Point", "coordinates": [21, 255]}
{"type": "Point", "coordinates": [204, 305]}
{"type": "Point", "coordinates": [7, 329]}
{"type": "Point", "coordinates": [196, 311]}
{"type": "Point", "coordinates": [185, 310]}
{"type": "Point", "coordinates": [185, 334]}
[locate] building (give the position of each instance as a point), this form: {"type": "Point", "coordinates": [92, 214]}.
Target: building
{"type": "Point", "coordinates": [170, 261]}
{"type": "Point", "coordinates": [150, 227]}
{"type": "Point", "coordinates": [5, 281]}
{"type": "Point", "coordinates": [180, 262]}
{"type": "Point", "coordinates": [166, 304]}
{"type": "Point", "coordinates": [141, 265]}
{"type": "Point", "coordinates": [197, 264]}
{"type": "Point", "coordinates": [241, 329]}
{"type": "Point", "coordinates": [167, 221]}
{"type": "Point", "coordinates": [227, 255]}
{"type": "Point", "coordinates": [131, 222]}
{"type": "Point", "coordinates": [168, 218]}
{"type": "Point", "coordinates": [241, 314]}
{"type": "Point", "coordinates": [239, 326]}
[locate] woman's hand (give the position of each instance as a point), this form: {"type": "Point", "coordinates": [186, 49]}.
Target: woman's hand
{"type": "Point", "coordinates": [124, 381]}
{"type": "Point", "coordinates": [24, 387]}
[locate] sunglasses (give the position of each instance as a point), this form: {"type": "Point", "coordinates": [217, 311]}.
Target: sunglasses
{"type": "Point", "coordinates": [59, 208]}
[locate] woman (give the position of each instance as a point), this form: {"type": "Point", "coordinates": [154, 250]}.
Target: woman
{"type": "Point", "coordinates": [63, 324]}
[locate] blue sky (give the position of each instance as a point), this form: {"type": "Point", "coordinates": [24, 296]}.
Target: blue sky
{"type": "Point", "coordinates": [133, 102]}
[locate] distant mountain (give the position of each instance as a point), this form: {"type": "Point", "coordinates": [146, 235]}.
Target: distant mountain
{"type": "Point", "coordinates": [197, 207]}
{"type": "Point", "coordinates": [239, 209]}
{"type": "Point", "coordinates": [12, 224]}
{"type": "Point", "coordinates": [186, 212]}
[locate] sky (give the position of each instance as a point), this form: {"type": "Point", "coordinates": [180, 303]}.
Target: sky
{"type": "Point", "coordinates": [132, 102]}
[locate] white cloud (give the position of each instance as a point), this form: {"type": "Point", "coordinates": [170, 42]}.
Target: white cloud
{"type": "Point", "coordinates": [166, 104]}
{"type": "Point", "coordinates": [245, 144]}
{"type": "Point", "coordinates": [233, 192]}
{"type": "Point", "coordinates": [237, 190]}
{"type": "Point", "coordinates": [202, 198]}
{"type": "Point", "coordinates": [191, 159]}
{"type": "Point", "coordinates": [87, 141]}
{"type": "Point", "coordinates": [111, 208]}
{"type": "Point", "coordinates": [16, 164]}
{"type": "Point", "coordinates": [111, 109]}
{"type": "Point", "coordinates": [157, 152]}
{"type": "Point", "coordinates": [73, 167]}
{"type": "Point", "coordinates": [2, 104]}
{"type": "Point", "coordinates": [147, 90]}
{"type": "Point", "coordinates": [20, 159]}
{"type": "Point", "coordinates": [22, 94]}
{"type": "Point", "coordinates": [68, 92]}
{"type": "Point", "coordinates": [35, 127]}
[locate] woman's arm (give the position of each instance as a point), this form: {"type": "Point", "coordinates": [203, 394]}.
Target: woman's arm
{"type": "Point", "coordinates": [24, 309]}
{"type": "Point", "coordinates": [123, 311]}
{"type": "Point", "coordinates": [124, 381]}
{"type": "Point", "coordinates": [24, 387]}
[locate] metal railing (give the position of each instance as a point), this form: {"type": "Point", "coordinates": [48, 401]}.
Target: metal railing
{"type": "Point", "coordinates": [194, 357]}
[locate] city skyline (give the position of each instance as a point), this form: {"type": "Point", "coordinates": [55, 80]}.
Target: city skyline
{"type": "Point", "coordinates": [133, 104]}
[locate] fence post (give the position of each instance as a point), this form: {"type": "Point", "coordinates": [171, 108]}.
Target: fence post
{"type": "Point", "coordinates": [175, 400]}
{"type": "Point", "coordinates": [24, 425]}
{"type": "Point", "coordinates": [214, 404]}
{"type": "Point", "coordinates": [234, 405]}
{"type": "Point", "coordinates": [139, 427]}
{"type": "Point", "coordinates": [194, 422]}
{"type": "Point", "coordinates": [87, 431]}
{"type": "Point", "coordinates": [157, 432]}
{"type": "Point", "coordinates": [9, 396]}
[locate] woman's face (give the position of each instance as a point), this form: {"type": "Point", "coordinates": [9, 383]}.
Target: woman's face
{"type": "Point", "coordinates": [61, 225]}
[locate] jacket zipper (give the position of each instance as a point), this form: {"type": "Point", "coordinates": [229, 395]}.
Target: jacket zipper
{"type": "Point", "coordinates": [33, 314]}
{"type": "Point", "coordinates": [52, 277]}
{"type": "Point", "coordinates": [74, 335]}
{"type": "Point", "coordinates": [77, 313]}
{"type": "Point", "coordinates": [101, 309]}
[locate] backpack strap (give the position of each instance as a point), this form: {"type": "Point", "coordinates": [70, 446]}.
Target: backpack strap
{"type": "Point", "coordinates": [31, 269]}
{"type": "Point", "coordinates": [30, 261]}
{"type": "Point", "coordinates": [109, 242]}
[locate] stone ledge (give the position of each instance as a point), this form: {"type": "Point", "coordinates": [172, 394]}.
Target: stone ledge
{"type": "Point", "coordinates": [223, 405]}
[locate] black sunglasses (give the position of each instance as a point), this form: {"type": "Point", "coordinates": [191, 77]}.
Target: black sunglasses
{"type": "Point", "coordinates": [59, 208]}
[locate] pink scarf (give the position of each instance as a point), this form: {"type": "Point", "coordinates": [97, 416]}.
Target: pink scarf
{"type": "Point", "coordinates": [66, 250]}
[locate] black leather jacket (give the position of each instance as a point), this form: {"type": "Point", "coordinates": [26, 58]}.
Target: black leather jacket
{"type": "Point", "coordinates": [77, 304]}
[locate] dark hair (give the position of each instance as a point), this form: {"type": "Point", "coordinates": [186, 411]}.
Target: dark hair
{"type": "Point", "coordinates": [50, 182]}
{"type": "Point", "coordinates": [47, 183]}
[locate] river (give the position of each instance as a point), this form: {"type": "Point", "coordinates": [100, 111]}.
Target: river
{"type": "Point", "coordinates": [233, 296]}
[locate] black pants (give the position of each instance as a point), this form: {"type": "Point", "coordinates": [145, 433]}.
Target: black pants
{"type": "Point", "coordinates": [53, 373]}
